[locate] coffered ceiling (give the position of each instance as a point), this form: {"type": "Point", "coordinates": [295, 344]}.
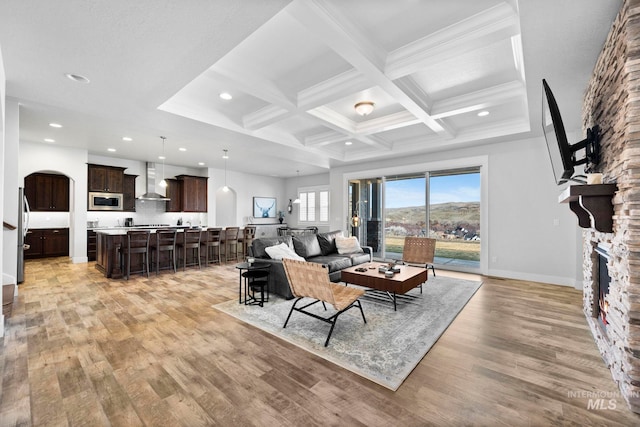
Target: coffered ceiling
{"type": "Point", "coordinates": [295, 71]}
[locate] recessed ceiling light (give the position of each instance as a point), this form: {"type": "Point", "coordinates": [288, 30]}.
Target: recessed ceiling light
{"type": "Point", "coordinates": [182, 149]}
{"type": "Point", "coordinates": [483, 113]}
{"type": "Point", "coordinates": [77, 78]}
{"type": "Point", "coordinates": [113, 150]}
{"type": "Point", "coordinates": [226, 96]}
{"type": "Point", "coordinates": [348, 143]}
{"type": "Point", "coordinates": [127, 138]}
{"type": "Point", "coordinates": [49, 140]}
{"type": "Point", "coordinates": [161, 157]}
{"type": "Point", "coordinates": [55, 125]}
{"type": "Point", "coordinates": [200, 163]}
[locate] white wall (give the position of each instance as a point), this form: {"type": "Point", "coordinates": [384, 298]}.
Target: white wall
{"type": "Point", "coordinates": [11, 184]}
{"type": "Point", "coordinates": [245, 186]}
{"type": "Point", "coordinates": [2, 162]}
{"type": "Point", "coordinates": [521, 238]}
{"type": "Point", "coordinates": [71, 162]}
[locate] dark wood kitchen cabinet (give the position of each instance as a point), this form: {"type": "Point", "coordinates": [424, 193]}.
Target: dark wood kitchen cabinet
{"type": "Point", "coordinates": [91, 245]}
{"type": "Point", "coordinates": [174, 193]}
{"type": "Point", "coordinates": [194, 193]}
{"type": "Point", "coordinates": [47, 192]}
{"type": "Point", "coordinates": [129, 193]}
{"type": "Point", "coordinates": [106, 179]}
{"type": "Point", "coordinates": [47, 242]}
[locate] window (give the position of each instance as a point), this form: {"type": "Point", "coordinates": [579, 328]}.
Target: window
{"type": "Point", "coordinates": [314, 205]}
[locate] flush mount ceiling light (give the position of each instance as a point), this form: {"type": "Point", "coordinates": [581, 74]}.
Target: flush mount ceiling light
{"type": "Point", "coordinates": [49, 140]}
{"type": "Point", "coordinates": [226, 96]}
{"type": "Point", "coordinates": [55, 125]}
{"type": "Point", "coordinates": [163, 183]}
{"type": "Point", "coordinates": [348, 143]}
{"type": "Point", "coordinates": [77, 78]}
{"type": "Point", "coordinates": [483, 113]}
{"type": "Point", "coordinates": [127, 138]}
{"type": "Point", "coordinates": [200, 163]}
{"type": "Point", "coordinates": [111, 150]}
{"type": "Point", "coordinates": [364, 108]}
{"type": "Point", "coordinates": [225, 156]}
{"type": "Point", "coordinates": [182, 149]}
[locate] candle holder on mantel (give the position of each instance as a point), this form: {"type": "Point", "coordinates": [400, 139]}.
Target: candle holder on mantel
{"type": "Point", "coordinates": [592, 205]}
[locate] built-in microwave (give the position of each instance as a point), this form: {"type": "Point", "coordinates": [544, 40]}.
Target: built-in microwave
{"type": "Point", "coordinates": [105, 201]}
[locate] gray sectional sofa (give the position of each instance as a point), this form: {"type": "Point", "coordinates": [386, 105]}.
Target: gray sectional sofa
{"type": "Point", "coordinates": [320, 248]}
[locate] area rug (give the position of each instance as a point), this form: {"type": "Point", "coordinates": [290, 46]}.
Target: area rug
{"type": "Point", "coordinates": [384, 350]}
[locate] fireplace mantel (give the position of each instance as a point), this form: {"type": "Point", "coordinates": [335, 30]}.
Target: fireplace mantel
{"type": "Point", "coordinates": [592, 205]}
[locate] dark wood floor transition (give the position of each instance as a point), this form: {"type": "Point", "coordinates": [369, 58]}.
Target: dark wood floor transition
{"type": "Point", "coordinates": [83, 350]}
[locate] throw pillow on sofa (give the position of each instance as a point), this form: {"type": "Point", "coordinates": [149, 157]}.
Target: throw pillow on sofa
{"type": "Point", "coordinates": [282, 251]}
{"type": "Point", "coordinates": [327, 241]}
{"type": "Point", "coordinates": [259, 245]}
{"type": "Point", "coordinates": [348, 245]}
{"type": "Point", "coordinates": [307, 245]}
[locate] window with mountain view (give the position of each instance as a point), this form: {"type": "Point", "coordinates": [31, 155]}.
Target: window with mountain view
{"type": "Point", "coordinates": [454, 216]}
{"type": "Point", "coordinates": [444, 205]}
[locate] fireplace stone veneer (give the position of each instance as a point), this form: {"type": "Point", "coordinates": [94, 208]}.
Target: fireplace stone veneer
{"type": "Point", "coordinates": [612, 101]}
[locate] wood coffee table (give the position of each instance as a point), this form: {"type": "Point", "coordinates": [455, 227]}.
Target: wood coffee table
{"type": "Point", "coordinates": [408, 278]}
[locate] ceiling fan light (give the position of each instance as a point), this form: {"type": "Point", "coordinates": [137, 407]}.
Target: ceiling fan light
{"type": "Point", "coordinates": [364, 108]}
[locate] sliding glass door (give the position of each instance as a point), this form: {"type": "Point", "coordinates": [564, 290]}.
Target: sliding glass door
{"type": "Point", "coordinates": [444, 205]}
{"type": "Point", "coordinates": [454, 216]}
{"type": "Point", "coordinates": [405, 211]}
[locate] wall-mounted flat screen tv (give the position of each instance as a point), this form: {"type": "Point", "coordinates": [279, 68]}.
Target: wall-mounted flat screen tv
{"type": "Point", "coordinates": [563, 154]}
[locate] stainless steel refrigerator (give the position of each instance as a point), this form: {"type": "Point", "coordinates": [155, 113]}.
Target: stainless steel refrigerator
{"type": "Point", "coordinates": [23, 227]}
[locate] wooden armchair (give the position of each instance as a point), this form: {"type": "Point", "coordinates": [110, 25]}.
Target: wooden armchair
{"type": "Point", "coordinates": [419, 251]}
{"type": "Point", "coordinates": [309, 279]}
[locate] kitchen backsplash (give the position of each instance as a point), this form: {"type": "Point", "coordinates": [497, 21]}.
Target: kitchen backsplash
{"type": "Point", "coordinates": [147, 213]}
{"type": "Point", "coordinates": [48, 220]}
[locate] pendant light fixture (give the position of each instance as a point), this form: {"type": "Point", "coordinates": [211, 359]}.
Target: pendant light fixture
{"type": "Point", "coordinates": [225, 156]}
{"type": "Point", "coordinates": [163, 183]}
{"type": "Point", "coordinates": [297, 199]}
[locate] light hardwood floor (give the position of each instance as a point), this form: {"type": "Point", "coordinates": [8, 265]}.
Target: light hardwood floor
{"type": "Point", "coordinates": [83, 350]}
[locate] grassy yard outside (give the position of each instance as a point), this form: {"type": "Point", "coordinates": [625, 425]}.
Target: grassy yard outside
{"type": "Point", "coordinates": [468, 250]}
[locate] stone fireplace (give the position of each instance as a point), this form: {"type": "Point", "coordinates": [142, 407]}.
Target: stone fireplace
{"type": "Point", "coordinates": [612, 101]}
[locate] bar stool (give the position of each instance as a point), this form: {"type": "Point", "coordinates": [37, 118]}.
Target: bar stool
{"type": "Point", "coordinates": [231, 241]}
{"type": "Point", "coordinates": [211, 244]}
{"type": "Point", "coordinates": [248, 234]}
{"type": "Point", "coordinates": [165, 242]}
{"type": "Point", "coordinates": [191, 240]}
{"type": "Point", "coordinates": [137, 243]}
{"type": "Point", "coordinates": [256, 280]}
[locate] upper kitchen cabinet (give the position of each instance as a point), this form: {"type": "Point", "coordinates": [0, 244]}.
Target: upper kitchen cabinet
{"type": "Point", "coordinates": [47, 192]}
{"type": "Point", "coordinates": [187, 193]}
{"type": "Point", "coordinates": [194, 193]}
{"type": "Point", "coordinates": [107, 179]}
{"type": "Point", "coordinates": [129, 193]}
{"type": "Point", "coordinates": [174, 194]}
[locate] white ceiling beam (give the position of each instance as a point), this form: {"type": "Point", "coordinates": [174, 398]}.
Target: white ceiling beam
{"type": "Point", "coordinates": [265, 117]}
{"type": "Point", "coordinates": [336, 87]}
{"type": "Point", "coordinates": [479, 100]}
{"type": "Point", "coordinates": [251, 83]}
{"type": "Point", "coordinates": [347, 41]}
{"type": "Point", "coordinates": [325, 138]}
{"type": "Point", "coordinates": [497, 23]}
{"type": "Point", "coordinates": [388, 122]}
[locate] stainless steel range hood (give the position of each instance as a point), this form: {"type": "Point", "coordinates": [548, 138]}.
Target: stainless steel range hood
{"type": "Point", "coordinates": [151, 185]}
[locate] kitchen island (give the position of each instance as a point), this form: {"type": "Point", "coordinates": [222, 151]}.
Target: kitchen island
{"type": "Point", "coordinates": [109, 242]}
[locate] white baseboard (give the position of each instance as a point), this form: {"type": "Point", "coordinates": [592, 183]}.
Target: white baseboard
{"type": "Point", "coordinates": [552, 280]}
